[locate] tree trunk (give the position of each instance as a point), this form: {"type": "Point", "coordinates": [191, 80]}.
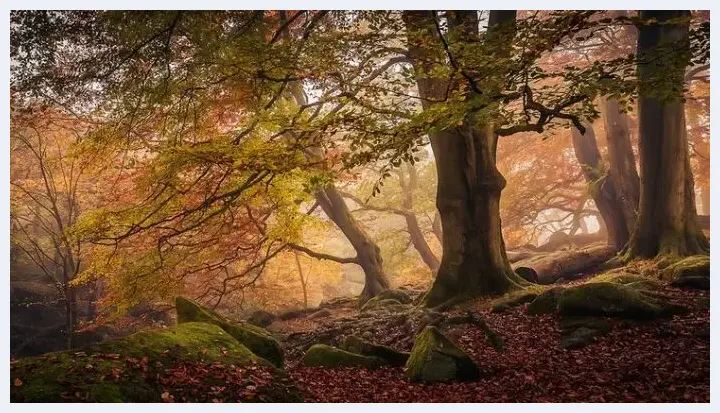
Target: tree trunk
{"type": "Point", "coordinates": [551, 267]}
{"type": "Point", "coordinates": [601, 186]}
{"type": "Point", "coordinates": [622, 162]}
{"type": "Point", "coordinates": [416, 234]}
{"type": "Point", "coordinates": [667, 219]}
{"type": "Point", "coordinates": [469, 185]}
{"type": "Point", "coordinates": [303, 280]}
{"type": "Point", "coordinates": [368, 253]}
{"type": "Point", "coordinates": [70, 315]}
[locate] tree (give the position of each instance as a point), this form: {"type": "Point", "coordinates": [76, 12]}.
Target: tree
{"type": "Point", "coordinates": [47, 182]}
{"type": "Point", "coordinates": [667, 218]}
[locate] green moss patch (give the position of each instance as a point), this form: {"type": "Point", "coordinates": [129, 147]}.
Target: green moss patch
{"type": "Point", "coordinates": [321, 355]}
{"type": "Point", "coordinates": [435, 358]}
{"type": "Point", "coordinates": [255, 338]}
{"type": "Point", "coordinates": [612, 300]}
{"type": "Point", "coordinates": [126, 369]}
{"type": "Point", "coordinates": [691, 272]}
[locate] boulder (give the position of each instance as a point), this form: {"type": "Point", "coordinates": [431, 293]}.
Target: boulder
{"type": "Point", "coordinates": [435, 358]}
{"type": "Point", "coordinates": [355, 344]}
{"type": "Point", "coordinates": [612, 300]}
{"type": "Point", "coordinates": [127, 369]}
{"type": "Point", "coordinates": [257, 339]}
{"type": "Point", "coordinates": [692, 272]}
{"type": "Point", "coordinates": [261, 318]}
{"type": "Point", "coordinates": [546, 302]}
{"type": "Point", "coordinates": [578, 332]}
{"type": "Point", "coordinates": [321, 355]}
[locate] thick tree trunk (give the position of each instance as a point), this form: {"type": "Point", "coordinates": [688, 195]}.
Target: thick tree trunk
{"type": "Point", "coordinates": [601, 186]}
{"type": "Point", "coordinates": [469, 185]}
{"type": "Point", "coordinates": [667, 219]}
{"type": "Point", "coordinates": [368, 253]}
{"type": "Point", "coordinates": [622, 162]}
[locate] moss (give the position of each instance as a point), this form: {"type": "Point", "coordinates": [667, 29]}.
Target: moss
{"type": "Point", "coordinates": [321, 355]}
{"type": "Point", "coordinates": [89, 375]}
{"type": "Point", "coordinates": [612, 300]}
{"type": "Point", "coordinates": [631, 280]}
{"type": "Point", "coordinates": [257, 339]}
{"type": "Point", "coordinates": [435, 358]}
{"type": "Point", "coordinates": [357, 345]}
{"type": "Point", "coordinates": [545, 303]}
{"type": "Point", "coordinates": [692, 272]}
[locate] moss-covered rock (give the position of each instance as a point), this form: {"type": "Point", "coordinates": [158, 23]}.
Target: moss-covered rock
{"type": "Point", "coordinates": [435, 358]}
{"type": "Point", "coordinates": [545, 303]}
{"type": "Point", "coordinates": [355, 344]}
{"type": "Point", "coordinates": [579, 332]}
{"type": "Point", "coordinates": [113, 371]}
{"type": "Point", "coordinates": [638, 282]}
{"type": "Point", "coordinates": [321, 355]}
{"type": "Point", "coordinates": [691, 272]}
{"type": "Point", "coordinates": [612, 300]}
{"type": "Point", "coordinates": [257, 339]}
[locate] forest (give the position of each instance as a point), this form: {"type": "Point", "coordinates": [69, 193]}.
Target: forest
{"type": "Point", "coordinates": [360, 206]}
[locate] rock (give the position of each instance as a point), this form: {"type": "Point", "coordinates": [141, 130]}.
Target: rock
{"type": "Point", "coordinates": [257, 339]}
{"type": "Point", "coordinates": [527, 274]}
{"type": "Point", "coordinates": [262, 318]}
{"type": "Point", "coordinates": [578, 332]}
{"type": "Point", "coordinates": [355, 344]}
{"type": "Point", "coordinates": [320, 314]}
{"type": "Point", "coordinates": [435, 358]}
{"type": "Point", "coordinates": [376, 303]}
{"type": "Point", "coordinates": [399, 295]}
{"type": "Point", "coordinates": [613, 300]}
{"type": "Point", "coordinates": [545, 303]}
{"type": "Point", "coordinates": [87, 374]}
{"type": "Point", "coordinates": [637, 282]}
{"type": "Point", "coordinates": [692, 272]}
{"type": "Point", "coordinates": [321, 355]}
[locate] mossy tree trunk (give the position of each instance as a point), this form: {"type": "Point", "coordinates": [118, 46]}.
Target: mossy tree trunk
{"type": "Point", "coordinates": [469, 185]}
{"type": "Point", "coordinates": [601, 186]}
{"type": "Point", "coordinates": [667, 215]}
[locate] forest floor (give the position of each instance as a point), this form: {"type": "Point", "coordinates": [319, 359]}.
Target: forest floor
{"type": "Point", "coordinates": [660, 361]}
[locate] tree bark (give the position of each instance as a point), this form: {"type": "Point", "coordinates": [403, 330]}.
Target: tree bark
{"type": "Point", "coordinates": [551, 267]}
{"type": "Point", "coordinates": [601, 186]}
{"type": "Point", "coordinates": [622, 162]}
{"type": "Point", "coordinates": [416, 234]}
{"type": "Point", "coordinates": [667, 219]}
{"type": "Point", "coordinates": [469, 185]}
{"type": "Point", "coordinates": [368, 253]}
